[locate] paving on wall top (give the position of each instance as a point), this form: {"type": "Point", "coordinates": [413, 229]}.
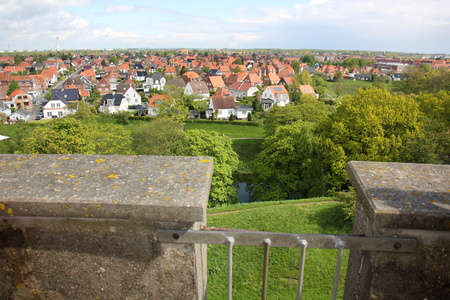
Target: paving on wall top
{"type": "Point", "coordinates": [156, 188]}
{"type": "Point", "coordinates": [404, 195]}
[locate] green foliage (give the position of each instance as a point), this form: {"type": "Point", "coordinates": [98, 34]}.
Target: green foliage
{"type": "Point", "coordinates": [72, 136]}
{"type": "Point", "coordinates": [310, 112]}
{"type": "Point", "coordinates": [424, 80]}
{"type": "Point", "coordinates": [219, 147]}
{"type": "Point", "coordinates": [309, 59]}
{"type": "Point", "coordinates": [12, 87]}
{"type": "Point", "coordinates": [289, 166]}
{"type": "Point", "coordinates": [370, 126]}
{"type": "Point", "coordinates": [237, 129]}
{"type": "Point", "coordinates": [231, 118]}
{"type": "Point", "coordinates": [319, 85]}
{"type": "Point", "coordinates": [83, 111]}
{"type": "Point", "coordinates": [348, 199]}
{"type": "Point", "coordinates": [161, 136]}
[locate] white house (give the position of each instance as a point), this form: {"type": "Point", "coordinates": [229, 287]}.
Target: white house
{"type": "Point", "coordinates": [197, 88]}
{"type": "Point", "coordinates": [113, 104]}
{"type": "Point", "coordinates": [274, 95]}
{"type": "Point", "coordinates": [154, 81]}
{"type": "Point", "coordinates": [225, 107]}
{"type": "Point", "coordinates": [132, 96]}
{"type": "Point", "coordinates": [55, 108]}
{"type": "Point", "coordinates": [243, 89]}
{"type": "Point", "coordinates": [20, 114]}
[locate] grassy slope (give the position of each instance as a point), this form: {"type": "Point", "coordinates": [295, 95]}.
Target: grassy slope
{"type": "Point", "coordinates": [325, 218]}
{"type": "Point", "coordinates": [350, 87]}
{"type": "Point", "coordinates": [232, 130]}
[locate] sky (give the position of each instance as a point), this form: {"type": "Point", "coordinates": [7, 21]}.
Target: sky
{"type": "Point", "coordinates": [412, 26]}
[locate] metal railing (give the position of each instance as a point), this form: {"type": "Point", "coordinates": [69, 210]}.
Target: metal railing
{"type": "Point", "coordinates": [237, 237]}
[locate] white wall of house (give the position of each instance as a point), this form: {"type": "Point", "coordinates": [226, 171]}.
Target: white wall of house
{"type": "Point", "coordinates": [133, 97]}
{"type": "Point", "coordinates": [55, 109]}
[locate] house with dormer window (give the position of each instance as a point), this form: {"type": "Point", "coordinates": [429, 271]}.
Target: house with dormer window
{"type": "Point", "coordinates": [274, 95]}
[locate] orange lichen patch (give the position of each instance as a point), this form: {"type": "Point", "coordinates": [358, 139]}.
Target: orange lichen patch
{"type": "Point", "coordinates": [76, 183]}
{"type": "Point", "coordinates": [86, 215]}
{"type": "Point", "coordinates": [448, 191]}
{"type": "Point", "coordinates": [65, 205]}
{"type": "Point", "coordinates": [166, 198]}
{"type": "Point", "coordinates": [407, 186]}
{"type": "Point", "coordinates": [151, 187]}
{"type": "Point", "coordinates": [376, 177]}
{"type": "Point", "coordinates": [383, 211]}
{"type": "Point", "coordinates": [100, 160]}
{"type": "Point", "coordinates": [71, 176]}
{"type": "Point", "coordinates": [447, 224]}
{"type": "Point", "coordinates": [408, 203]}
{"type": "Point", "coordinates": [186, 175]}
{"type": "Point", "coordinates": [98, 206]}
{"type": "Point", "coordinates": [208, 175]}
{"type": "Point", "coordinates": [1, 186]}
{"type": "Point", "coordinates": [144, 179]}
{"type": "Point", "coordinates": [205, 160]}
{"type": "Point", "coordinates": [116, 186]}
{"type": "Point", "coordinates": [432, 201]}
{"type": "Point", "coordinates": [65, 158]}
{"type": "Point", "coordinates": [182, 180]}
{"type": "Point", "coordinates": [84, 208]}
{"type": "Point", "coordinates": [9, 211]}
{"type": "Point", "coordinates": [416, 194]}
{"type": "Point", "coordinates": [445, 201]}
{"type": "Point", "coordinates": [191, 189]}
{"type": "Point", "coordinates": [115, 201]}
{"type": "Point", "coordinates": [428, 224]}
{"type": "Point", "coordinates": [2, 206]}
{"type": "Point", "coordinates": [157, 181]}
{"type": "Point", "coordinates": [375, 198]}
{"type": "Point", "coordinates": [112, 175]}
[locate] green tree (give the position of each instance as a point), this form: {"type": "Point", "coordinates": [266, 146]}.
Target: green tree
{"type": "Point", "coordinates": [289, 166]}
{"type": "Point", "coordinates": [302, 78]}
{"type": "Point", "coordinates": [12, 87]}
{"type": "Point", "coordinates": [424, 80]}
{"type": "Point", "coordinates": [319, 85]}
{"type": "Point", "coordinates": [219, 147]}
{"type": "Point", "coordinates": [104, 63]}
{"type": "Point", "coordinates": [184, 69]}
{"type": "Point", "coordinates": [296, 66]}
{"type": "Point", "coordinates": [114, 60]}
{"type": "Point", "coordinates": [309, 112]}
{"type": "Point", "coordinates": [73, 136]}
{"type": "Point", "coordinates": [83, 111]}
{"type": "Point", "coordinates": [372, 125]}
{"type": "Point", "coordinates": [161, 136]}
{"type": "Point", "coordinates": [309, 59]}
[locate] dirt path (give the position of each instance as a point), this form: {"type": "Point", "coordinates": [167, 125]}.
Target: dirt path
{"type": "Point", "coordinates": [235, 211]}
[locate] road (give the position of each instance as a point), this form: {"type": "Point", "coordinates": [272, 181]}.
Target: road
{"type": "Point", "coordinates": [40, 100]}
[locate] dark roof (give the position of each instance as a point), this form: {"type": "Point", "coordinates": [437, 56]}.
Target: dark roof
{"type": "Point", "coordinates": [117, 99]}
{"type": "Point", "coordinates": [223, 102]}
{"type": "Point", "coordinates": [177, 82]}
{"type": "Point", "coordinates": [156, 76]}
{"type": "Point", "coordinates": [65, 94]}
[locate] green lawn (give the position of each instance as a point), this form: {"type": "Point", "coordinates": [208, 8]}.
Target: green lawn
{"type": "Point", "coordinates": [349, 87]}
{"type": "Point", "coordinates": [232, 130]}
{"type": "Point", "coordinates": [324, 218]}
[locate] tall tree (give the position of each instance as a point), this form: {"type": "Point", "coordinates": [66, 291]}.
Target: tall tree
{"type": "Point", "coordinates": [209, 143]}
{"type": "Point", "coordinates": [161, 136]}
{"type": "Point", "coordinates": [290, 165]}
{"type": "Point", "coordinates": [12, 87]}
{"type": "Point", "coordinates": [372, 125]}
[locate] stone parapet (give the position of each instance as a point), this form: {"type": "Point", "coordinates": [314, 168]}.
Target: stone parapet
{"type": "Point", "coordinates": [401, 200]}
{"type": "Point", "coordinates": [85, 226]}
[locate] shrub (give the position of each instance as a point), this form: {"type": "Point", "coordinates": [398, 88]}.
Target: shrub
{"type": "Point", "coordinates": [348, 200]}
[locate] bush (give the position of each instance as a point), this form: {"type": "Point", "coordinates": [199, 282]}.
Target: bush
{"type": "Point", "coordinates": [231, 118]}
{"type": "Point", "coordinates": [249, 117]}
{"type": "Point", "coordinates": [348, 200]}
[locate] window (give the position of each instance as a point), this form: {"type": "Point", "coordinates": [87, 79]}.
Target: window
{"type": "Point", "coordinates": [58, 104]}
{"type": "Point", "coordinates": [60, 114]}
{"type": "Point", "coordinates": [49, 114]}
{"type": "Point", "coordinates": [53, 105]}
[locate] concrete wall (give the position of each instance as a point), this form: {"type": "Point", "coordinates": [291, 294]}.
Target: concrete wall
{"type": "Point", "coordinates": [401, 200]}
{"type": "Point", "coordinates": [84, 226]}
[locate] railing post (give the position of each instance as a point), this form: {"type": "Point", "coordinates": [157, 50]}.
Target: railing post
{"type": "Point", "coordinates": [408, 201]}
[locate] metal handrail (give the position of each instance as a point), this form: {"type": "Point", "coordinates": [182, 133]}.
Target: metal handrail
{"type": "Point", "coordinates": [237, 237]}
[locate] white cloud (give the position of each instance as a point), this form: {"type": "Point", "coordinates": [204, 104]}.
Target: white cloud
{"type": "Point", "coordinates": [119, 8]}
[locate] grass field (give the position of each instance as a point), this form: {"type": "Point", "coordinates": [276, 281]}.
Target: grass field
{"type": "Point", "coordinates": [232, 130]}
{"type": "Point", "coordinates": [349, 87]}
{"type": "Point", "coordinates": [325, 218]}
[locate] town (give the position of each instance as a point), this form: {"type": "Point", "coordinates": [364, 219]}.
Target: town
{"type": "Point", "coordinates": [44, 85]}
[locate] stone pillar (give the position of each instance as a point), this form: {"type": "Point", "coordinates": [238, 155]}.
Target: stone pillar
{"type": "Point", "coordinates": [85, 226]}
{"type": "Point", "coordinates": [401, 200]}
